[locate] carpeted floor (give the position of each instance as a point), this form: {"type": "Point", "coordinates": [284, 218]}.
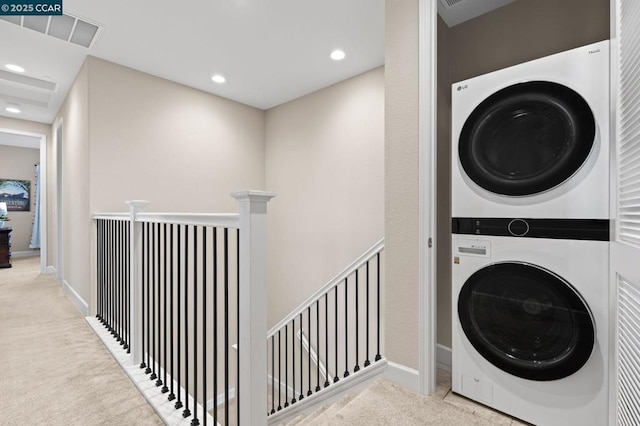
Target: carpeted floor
{"type": "Point", "coordinates": [384, 403]}
{"type": "Point", "coordinates": [55, 370]}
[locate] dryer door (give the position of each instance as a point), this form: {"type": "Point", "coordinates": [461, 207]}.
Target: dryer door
{"type": "Point", "coordinates": [527, 138]}
{"type": "Point", "coordinates": [526, 321]}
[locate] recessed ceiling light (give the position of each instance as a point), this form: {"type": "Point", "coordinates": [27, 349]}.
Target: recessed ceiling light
{"type": "Point", "coordinates": [338, 55]}
{"type": "Point", "coordinates": [13, 108]}
{"type": "Point", "coordinates": [15, 68]}
{"type": "Point", "coordinates": [218, 79]}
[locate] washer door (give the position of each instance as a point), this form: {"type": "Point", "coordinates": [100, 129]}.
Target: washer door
{"type": "Point", "coordinates": [527, 138]}
{"type": "Point", "coordinates": [526, 321]}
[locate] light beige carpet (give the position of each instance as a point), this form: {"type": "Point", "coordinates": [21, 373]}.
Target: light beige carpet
{"type": "Point", "coordinates": [384, 403]}
{"type": "Point", "coordinates": [53, 368]}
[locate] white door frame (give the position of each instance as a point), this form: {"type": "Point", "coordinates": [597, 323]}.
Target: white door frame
{"type": "Point", "coordinates": [427, 140]}
{"type": "Point", "coordinates": [43, 191]}
{"type": "Point", "coordinates": [58, 147]}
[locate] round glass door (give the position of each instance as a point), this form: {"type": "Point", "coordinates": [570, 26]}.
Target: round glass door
{"type": "Point", "coordinates": [527, 138]}
{"type": "Point", "coordinates": [526, 321]}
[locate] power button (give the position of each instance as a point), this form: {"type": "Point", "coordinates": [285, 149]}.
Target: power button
{"type": "Point", "coordinates": [518, 227]}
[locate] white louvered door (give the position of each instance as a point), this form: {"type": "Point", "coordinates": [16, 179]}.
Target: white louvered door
{"type": "Point", "coordinates": [625, 246]}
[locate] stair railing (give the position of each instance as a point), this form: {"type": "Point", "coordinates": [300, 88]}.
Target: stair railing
{"type": "Point", "coordinates": [176, 291]}
{"type": "Point", "coordinates": [340, 326]}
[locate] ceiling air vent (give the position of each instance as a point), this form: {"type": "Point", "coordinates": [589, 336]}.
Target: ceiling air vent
{"type": "Point", "coordinates": [64, 27]}
{"type": "Point", "coordinates": [452, 2]}
{"type": "Point", "coordinates": [454, 12]}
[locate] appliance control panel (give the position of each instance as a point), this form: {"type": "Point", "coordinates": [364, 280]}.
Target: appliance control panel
{"type": "Point", "coordinates": [474, 248]}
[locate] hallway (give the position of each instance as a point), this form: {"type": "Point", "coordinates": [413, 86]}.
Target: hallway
{"type": "Point", "coordinates": [55, 370]}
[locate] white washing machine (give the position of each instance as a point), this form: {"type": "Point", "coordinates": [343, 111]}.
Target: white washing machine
{"type": "Point", "coordinates": [530, 324]}
{"type": "Point", "coordinates": [531, 140]}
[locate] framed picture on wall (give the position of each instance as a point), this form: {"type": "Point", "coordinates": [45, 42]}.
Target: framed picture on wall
{"type": "Point", "coordinates": [16, 194]}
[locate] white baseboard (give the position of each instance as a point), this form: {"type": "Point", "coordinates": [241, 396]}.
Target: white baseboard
{"type": "Point", "coordinates": [443, 357]}
{"type": "Point", "coordinates": [20, 254]}
{"type": "Point", "coordinates": [51, 270]}
{"type": "Point", "coordinates": [152, 393]}
{"type": "Point", "coordinates": [403, 376]}
{"type": "Point", "coordinates": [75, 298]}
{"type": "Point", "coordinates": [220, 400]}
{"type": "Point", "coordinates": [410, 378]}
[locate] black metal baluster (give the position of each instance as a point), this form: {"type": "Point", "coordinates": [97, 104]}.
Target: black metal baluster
{"type": "Point", "coordinates": [114, 282]}
{"type": "Point", "coordinates": [153, 303]}
{"type": "Point", "coordinates": [172, 375]}
{"type": "Point", "coordinates": [293, 358]}
{"type": "Point", "coordinates": [336, 378]}
{"type": "Point", "coordinates": [178, 403]}
{"type": "Point", "coordinates": [309, 350]}
{"type": "Point", "coordinates": [317, 345]}
{"type": "Point", "coordinates": [378, 356]}
{"type": "Point", "coordinates": [286, 366]}
{"type": "Point", "coordinates": [273, 375]}
{"type": "Point", "coordinates": [120, 284]}
{"type": "Point", "coordinates": [357, 367]}
{"type": "Point", "coordinates": [346, 331]}
{"type": "Point", "coordinates": [158, 303]}
{"type": "Point", "coordinates": [238, 325]}
{"type": "Point", "coordinates": [110, 277]}
{"type": "Point", "coordinates": [119, 303]}
{"type": "Point", "coordinates": [123, 310]}
{"type": "Point", "coordinates": [164, 389]}
{"type": "Point", "coordinates": [366, 361]}
{"type": "Point", "coordinates": [204, 326]}
{"type": "Point", "coordinates": [301, 395]}
{"type": "Point", "coordinates": [186, 412]}
{"type": "Point", "coordinates": [107, 266]}
{"type": "Point", "coordinates": [226, 326]}
{"type": "Point", "coordinates": [215, 326]}
{"type": "Point", "coordinates": [326, 337]}
{"type": "Point", "coordinates": [195, 421]}
{"type": "Point", "coordinates": [114, 285]}
{"type": "Point", "coordinates": [279, 372]}
{"type": "Point", "coordinates": [100, 266]}
{"type": "Point", "coordinates": [147, 254]}
{"type": "Point", "coordinates": [127, 238]}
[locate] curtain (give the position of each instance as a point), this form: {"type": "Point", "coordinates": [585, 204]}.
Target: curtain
{"type": "Point", "coordinates": [35, 234]}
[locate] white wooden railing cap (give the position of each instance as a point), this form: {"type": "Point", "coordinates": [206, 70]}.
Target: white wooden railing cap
{"type": "Point", "coordinates": [137, 203]}
{"type": "Point", "coordinates": [253, 195]}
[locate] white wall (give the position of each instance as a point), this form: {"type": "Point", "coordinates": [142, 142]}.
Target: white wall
{"type": "Point", "coordinates": [129, 135]}
{"type": "Point", "coordinates": [401, 182]}
{"type": "Point", "coordinates": [180, 148]}
{"type": "Point", "coordinates": [325, 162]}
{"type": "Point", "coordinates": [76, 218]}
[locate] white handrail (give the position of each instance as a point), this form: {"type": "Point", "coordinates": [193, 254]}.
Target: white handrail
{"type": "Point", "coordinates": [228, 220]}
{"type": "Point", "coordinates": [366, 256]}
{"type": "Point", "coordinates": [110, 216]}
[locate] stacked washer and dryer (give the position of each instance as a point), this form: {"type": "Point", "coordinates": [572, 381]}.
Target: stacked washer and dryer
{"type": "Point", "coordinates": [530, 207]}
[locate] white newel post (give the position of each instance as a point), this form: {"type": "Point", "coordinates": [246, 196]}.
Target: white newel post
{"type": "Point", "coordinates": [252, 344]}
{"type": "Point", "coordinates": [135, 284]}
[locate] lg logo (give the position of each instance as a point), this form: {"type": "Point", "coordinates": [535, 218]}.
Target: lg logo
{"type": "Point", "coordinates": [459, 88]}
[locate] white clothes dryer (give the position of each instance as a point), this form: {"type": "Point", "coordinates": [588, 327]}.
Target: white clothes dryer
{"type": "Point", "coordinates": [531, 140]}
{"type": "Point", "coordinates": [530, 322]}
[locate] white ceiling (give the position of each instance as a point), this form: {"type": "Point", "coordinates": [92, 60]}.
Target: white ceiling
{"type": "Point", "coordinates": [21, 141]}
{"type": "Point", "coordinates": [270, 51]}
